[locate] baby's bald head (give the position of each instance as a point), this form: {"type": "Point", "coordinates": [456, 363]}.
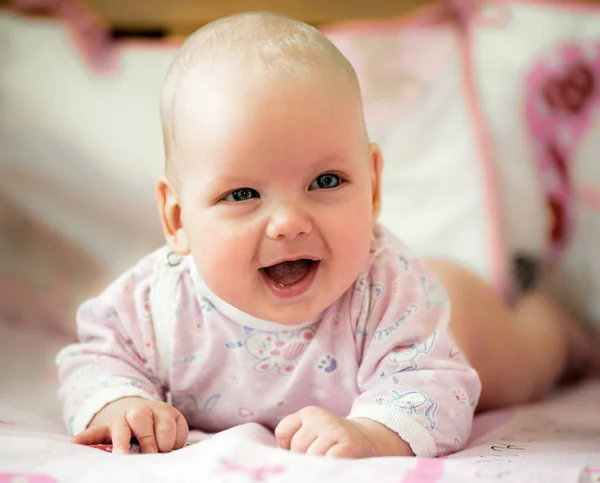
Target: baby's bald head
{"type": "Point", "coordinates": [267, 156]}
{"type": "Point", "coordinates": [246, 45]}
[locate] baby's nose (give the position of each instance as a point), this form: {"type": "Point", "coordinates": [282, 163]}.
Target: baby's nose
{"type": "Point", "coordinates": [288, 223]}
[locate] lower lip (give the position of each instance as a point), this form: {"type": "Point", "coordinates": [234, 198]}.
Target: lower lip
{"type": "Point", "coordinates": [299, 288]}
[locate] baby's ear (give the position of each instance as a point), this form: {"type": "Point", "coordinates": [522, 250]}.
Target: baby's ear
{"type": "Point", "coordinates": [375, 168]}
{"type": "Point", "coordinates": [169, 209]}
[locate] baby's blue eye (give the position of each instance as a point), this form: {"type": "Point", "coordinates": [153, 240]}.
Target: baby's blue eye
{"type": "Point", "coordinates": [326, 181]}
{"type": "Point", "coordinates": [242, 194]}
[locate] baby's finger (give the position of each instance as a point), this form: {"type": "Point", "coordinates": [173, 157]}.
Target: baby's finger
{"type": "Point", "coordinates": [141, 422]}
{"type": "Point", "coordinates": [165, 430]}
{"type": "Point", "coordinates": [120, 434]}
{"type": "Point", "coordinates": [320, 446]}
{"type": "Point", "coordinates": [96, 435]}
{"type": "Point", "coordinates": [286, 429]}
{"type": "Point", "coordinates": [303, 438]}
{"type": "Point", "coordinates": [182, 430]}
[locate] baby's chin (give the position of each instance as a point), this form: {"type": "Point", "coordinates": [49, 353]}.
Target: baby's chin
{"type": "Point", "coordinates": [285, 312]}
{"type": "Point", "coordinates": [288, 315]}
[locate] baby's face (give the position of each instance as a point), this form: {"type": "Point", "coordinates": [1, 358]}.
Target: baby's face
{"type": "Point", "coordinates": [276, 183]}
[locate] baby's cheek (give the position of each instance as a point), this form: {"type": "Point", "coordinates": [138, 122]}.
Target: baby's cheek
{"type": "Point", "coordinates": [353, 242]}
{"type": "Point", "coordinates": [222, 262]}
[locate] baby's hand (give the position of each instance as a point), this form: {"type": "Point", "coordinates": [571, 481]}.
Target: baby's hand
{"type": "Point", "coordinates": [316, 431]}
{"type": "Point", "coordinates": [156, 425]}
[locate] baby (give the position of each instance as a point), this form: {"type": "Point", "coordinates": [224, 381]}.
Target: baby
{"type": "Point", "coordinates": [279, 300]}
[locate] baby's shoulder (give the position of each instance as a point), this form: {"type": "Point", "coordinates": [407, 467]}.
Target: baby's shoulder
{"type": "Point", "coordinates": [144, 273]}
{"type": "Point", "coordinates": [393, 271]}
{"type": "Point", "coordinates": [390, 258]}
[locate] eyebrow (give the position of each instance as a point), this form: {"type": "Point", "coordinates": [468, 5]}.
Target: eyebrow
{"type": "Point", "coordinates": [229, 180]}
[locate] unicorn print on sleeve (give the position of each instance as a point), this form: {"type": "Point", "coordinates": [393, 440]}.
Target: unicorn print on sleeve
{"type": "Point", "coordinates": [412, 378]}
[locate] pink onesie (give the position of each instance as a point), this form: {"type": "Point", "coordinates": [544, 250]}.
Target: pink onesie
{"type": "Point", "coordinates": [381, 351]}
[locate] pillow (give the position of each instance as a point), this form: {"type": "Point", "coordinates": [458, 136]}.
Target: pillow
{"type": "Point", "coordinates": [537, 68]}
{"type": "Point", "coordinates": [79, 150]}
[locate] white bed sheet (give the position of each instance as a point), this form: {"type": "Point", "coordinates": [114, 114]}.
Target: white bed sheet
{"type": "Point", "coordinates": [554, 441]}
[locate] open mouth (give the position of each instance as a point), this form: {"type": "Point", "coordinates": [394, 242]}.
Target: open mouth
{"type": "Point", "coordinates": [290, 278]}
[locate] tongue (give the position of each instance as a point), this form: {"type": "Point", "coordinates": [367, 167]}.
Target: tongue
{"type": "Point", "coordinates": [288, 273]}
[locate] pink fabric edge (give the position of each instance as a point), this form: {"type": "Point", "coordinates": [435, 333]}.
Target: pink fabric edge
{"type": "Point", "coordinates": [425, 471]}
{"type": "Point", "coordinates": [110, 63]}
{"type": "Point", "coordinates": [484, 145]}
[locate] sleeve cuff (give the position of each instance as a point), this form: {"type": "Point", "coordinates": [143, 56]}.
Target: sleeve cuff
{"type": "Point", "coordinates": [93, 405]}
{"type": "Point", "coordinates": [419, 439]}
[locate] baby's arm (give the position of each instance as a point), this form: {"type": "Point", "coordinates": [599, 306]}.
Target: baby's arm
{"type": "Point", "coordinates": [418, 393]}
{"type": "Point", "coordinates": [109, 378]}
{"type": "Point", "coordinates": [412, 377]}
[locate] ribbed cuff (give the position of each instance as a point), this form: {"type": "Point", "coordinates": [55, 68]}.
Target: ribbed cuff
{"type": "Point", "coordinates": [409, 429]}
